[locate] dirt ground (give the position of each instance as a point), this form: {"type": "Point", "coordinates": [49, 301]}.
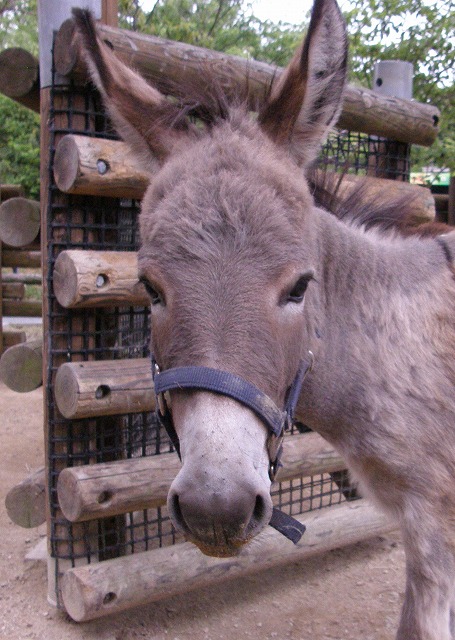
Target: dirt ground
{"type": "Point", "coordinates": [348, 594]}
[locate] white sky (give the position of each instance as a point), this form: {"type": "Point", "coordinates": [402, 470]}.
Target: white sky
{"type": "Point", "coordinates": [293, 11]}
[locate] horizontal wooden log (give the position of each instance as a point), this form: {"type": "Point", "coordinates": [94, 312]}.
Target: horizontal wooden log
{"type": "Point", "coordinates": [23, 308]}
{"type": "Point", "coordinates": [96, 590]}
{"type": "Point", "coordinates": [11, 338]}
{"type": "Point", "coordinates": [21, 258]}
{"type": "Point", "coordinates": [10, 191]}
{"type": "Point", "coordinates": [98, 278]}
{"type": "Point", "coordinates": [166, 63]}
{"type": "Point", "coordinates": [97, 167]}
{"type": "Point", "coordinates": [24, 278]}
{"type": "Point", "coordinates": [19, 77]}
{"type": "Point", "coordinates": [101, 490]}
{"type": "Point", "coordinates": [26, 502]}
{"type": "Point", "coordinates": [14, 290]}
{"type": "Point", "coordinates": [19, 221]}
{"type": "Point", "coordinates": [104, 387]}
{"type": "Point", "coordinates": [21, 366]}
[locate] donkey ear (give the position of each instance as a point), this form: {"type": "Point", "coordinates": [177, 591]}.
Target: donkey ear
{"type": "Point", "coordinates": [306, 101]}
{"type": "Point", "coordinates": [142, 116]}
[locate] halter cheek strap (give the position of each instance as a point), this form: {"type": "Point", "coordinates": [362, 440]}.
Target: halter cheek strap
{"type": "Point", "coordinates": [235, 387]}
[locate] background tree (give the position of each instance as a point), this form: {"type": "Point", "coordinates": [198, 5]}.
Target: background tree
{"type": "Point", "coordinates": [420, 31]}
{"type": "Point", "coordinates": [19, 127]}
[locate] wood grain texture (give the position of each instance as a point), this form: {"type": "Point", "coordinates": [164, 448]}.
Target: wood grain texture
{"type": "Point", "coordinates": [165, 63]}
{"type": "Point", "coordinates": [106, 588]}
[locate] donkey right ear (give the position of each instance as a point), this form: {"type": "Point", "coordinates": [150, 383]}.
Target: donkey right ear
{"type": "Point", "coordinates": [306, 101]}
{"type": "Point", "coordinates": [142, 116]}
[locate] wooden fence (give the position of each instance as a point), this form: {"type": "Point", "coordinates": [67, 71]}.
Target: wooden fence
{"type": "Point", "coordinates": [80, 173]}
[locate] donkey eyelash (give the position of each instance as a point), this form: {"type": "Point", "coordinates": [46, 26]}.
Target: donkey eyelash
{"type": "Point", "coordinates": [155, 295]}
{"type": "Point", "coordinates": [297, 293]}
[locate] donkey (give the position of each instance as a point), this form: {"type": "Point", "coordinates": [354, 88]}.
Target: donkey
{"type": "Point", "coordinates": [246, 275]}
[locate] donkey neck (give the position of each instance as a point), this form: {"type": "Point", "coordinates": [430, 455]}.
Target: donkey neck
{"type": "Point", "coordinates": [373, 291]}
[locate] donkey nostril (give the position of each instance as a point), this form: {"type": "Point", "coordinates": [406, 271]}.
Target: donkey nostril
{"type": "Point", "coordinates": [176, 511]}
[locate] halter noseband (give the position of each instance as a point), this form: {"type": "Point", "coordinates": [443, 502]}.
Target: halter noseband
{"type": "Point", "coordinates": [276, 420]}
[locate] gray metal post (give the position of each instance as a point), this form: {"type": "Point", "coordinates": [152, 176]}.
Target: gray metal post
{"type": "Point", "coordinates": [51, 14]}
{"type": "Point", "coordinates": [393, 78]}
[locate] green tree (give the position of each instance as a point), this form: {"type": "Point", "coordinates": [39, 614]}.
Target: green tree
{"type": "Point", "coordinates": [19, 127]}
{"type": "Point", "coordinates": [420, 32]}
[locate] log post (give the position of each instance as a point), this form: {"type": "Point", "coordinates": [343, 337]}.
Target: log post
{"type": "Point", "coordinates": [21, 366]}
{"type": "Point", "coordinates": [166, 63]}
{"type": "Point", "coordinates": [100, 490]}
{"type": "Point", "coordinates": [104, 388]}
{"type": "Point", "coordinates": [98, 278]}
{"type": "Point", "coordinates": [13, 290]}
{"type": "Point", "coordinates": [19, 221]}
{"type": "Point", "coordinates": [19, 77]}
{"type": "Point", "coordinates": [25, 258]}
{"type": "Point", "coordinates": [94, 591]}
{"type": "Point", "coordinates": [11, 338]}
{"type": "Point", "coordinates": [93, 166]}
{"type": "Point", "coordinates": [26, 502]}
{"type": "Point", "coordinates": [23, 278]}
{"type": "Point", "coordinates": [23, 308]}
{"type": "Point", "coordinates": [10, 191]}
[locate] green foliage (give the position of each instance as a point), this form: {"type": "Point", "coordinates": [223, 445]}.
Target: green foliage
{"type": "Point", "coordinates": [19, 146]}
{"type": "Point", "coordinates": [19, 127]}
{"type": "Point", "coordinates": [420, 32]}
{"type": "Point", "coordinates": [19, 24]}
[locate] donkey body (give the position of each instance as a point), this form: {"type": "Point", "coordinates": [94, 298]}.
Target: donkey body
{"type": "Point", "coordinates": [246, 274]}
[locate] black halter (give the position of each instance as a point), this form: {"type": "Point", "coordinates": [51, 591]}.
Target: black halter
{"type": "Point", "coordinates": [228, 384]}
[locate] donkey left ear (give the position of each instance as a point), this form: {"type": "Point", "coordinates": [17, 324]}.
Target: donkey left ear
{"type": "Point", "coordinates": [306, 101]}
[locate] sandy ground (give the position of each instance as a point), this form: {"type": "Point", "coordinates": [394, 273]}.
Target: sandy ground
{"type": "Point", "coordinates": [348, 594]}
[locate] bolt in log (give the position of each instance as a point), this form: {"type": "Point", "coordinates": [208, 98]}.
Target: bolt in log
{"type": "Point", "coordinates": [98, 167]}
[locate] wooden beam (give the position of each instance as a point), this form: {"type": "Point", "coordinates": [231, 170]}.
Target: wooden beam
{"type": "Point", "coordinates": [26, 502]}
{"type": "Point", "coordinates": [24, 278]}
{"type": "Point", "coordinates": [104, 589]}
{"type": "Point", "coordinates": [23, 308]}
{"type": "Point", "coordinates": [19, 221]}
{"type": "Point", "coordinates": [10, 191]}
{"type": "Point", "coordinates": [28, 259]}
{"type": "Point", "coordinates": [13, 290]}
{"type": "Point", "coordinates": [21, 366]}
{"type": "Point", "coordinates": [96, 491]}
{"type": "Point", "coordinates": [11, 338]}
{"type": "Point", "coordinates": [93, 166]}
{"type": "Point", "coordinates": [98, 278]}
{"type": "Point", "coordinates": [166, 63]}
{"type": "Point", "coordinates": [19, 77]}
{"type": "Point", "coordinates": [103, 388]}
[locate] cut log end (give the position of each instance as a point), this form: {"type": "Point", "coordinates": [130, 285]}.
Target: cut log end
{"type": "Point", "coordinates": [19, 221]}
{"type": "Point", "coordinates": [18, 72]}
{"type": "Point", "coordinates": [65, 281]}
{"type": "Point", "coordinates": [69, 501]}
{"type": "Point", "coordinates": [65, 52]}
{"type": "Point", "coordinates": [26, 502]}
{"type": "Point", "coordinates": [66, 390]}
{"type": "Point", "coordinates": [21, 366]}
{"type": "Point", "coordinates": [66, 164]}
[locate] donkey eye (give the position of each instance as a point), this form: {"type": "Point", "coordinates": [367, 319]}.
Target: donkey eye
{"type": "Point", "coordinates": [297, 293]}
{"type": "Point", "coordinates": [156, 297]}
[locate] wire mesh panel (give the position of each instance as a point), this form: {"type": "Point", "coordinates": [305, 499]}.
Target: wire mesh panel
{"type": "Point", "coordinates": [82, 222]}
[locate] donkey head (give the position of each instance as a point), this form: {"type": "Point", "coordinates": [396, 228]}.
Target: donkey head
{"type": "Point", "coordinates": [227, 254]}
